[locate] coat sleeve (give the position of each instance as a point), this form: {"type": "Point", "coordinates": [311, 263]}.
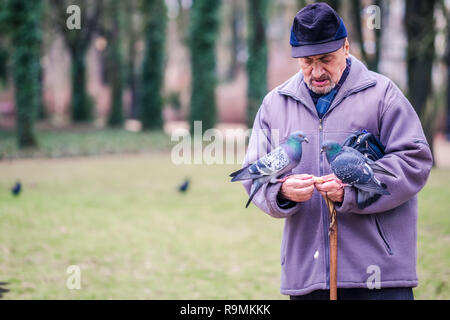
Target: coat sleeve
{"type": "Point", "coordinates": [408, 156]}
{"type": "Point", "coordinates": [260, 144]}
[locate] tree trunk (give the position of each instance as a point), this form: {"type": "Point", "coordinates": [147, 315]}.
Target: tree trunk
{"type": "Point", "coordinates": [151, 102]}
{"type": "Point", "coordinates": [131, 73]}
{"type": "Point", "coordinates": [203, 36]}
{"type": "Point", "coordinates": [420, 30]}
{"type": "Point", "coordinates": [116, 114]}
{"type": "Point", "coordinates": [374, 62]}
{"type": "Point", "coordinates": [419, 21]}
{"type": "Point", "coordinates": [42, 113]}
{"type": "Point", "coordinates": [81, 105]}
{"type": "Point", "coordinates": [237, 18]}
{"type": "Point", "coordinates": [4, 56]}
{"type": "Point", "coordinates": [448, 80]}
{"type": "Point", "coordinates": [26, 40]}
{"type": "Point", "coordinates": [257, 59]}
{"type": "Point", "coordinates": [78, 41]}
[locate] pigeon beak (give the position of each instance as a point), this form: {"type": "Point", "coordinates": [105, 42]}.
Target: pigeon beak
{"type": "Point", "coordinates": [321, 150]}
{"type": "Point", "coordinates": [306, 140]}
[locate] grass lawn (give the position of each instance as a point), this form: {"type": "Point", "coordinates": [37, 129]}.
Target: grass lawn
{"type": "Point", "coordinates": [81, 141]}
{"type": "Point", "coordinates": [122, 221]}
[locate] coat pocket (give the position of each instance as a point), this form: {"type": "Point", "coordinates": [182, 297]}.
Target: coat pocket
{"type": "Point", "coordinates": [382, 234]}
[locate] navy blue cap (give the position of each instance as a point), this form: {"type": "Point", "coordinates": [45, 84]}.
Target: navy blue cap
{"type": "Point", "coordinates": [317, 29]}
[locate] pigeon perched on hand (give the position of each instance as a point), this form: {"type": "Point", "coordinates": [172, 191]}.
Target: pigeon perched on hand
{"type": "Point", "coordinates": [354, 169]}
{"type": "Point", "coordinates": [16, 189]}
{"type": "Point", "coordinates": [267, 169]}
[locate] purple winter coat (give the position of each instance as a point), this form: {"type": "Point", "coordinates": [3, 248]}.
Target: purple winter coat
{"type": "Point", "coordinates": [383, 234]}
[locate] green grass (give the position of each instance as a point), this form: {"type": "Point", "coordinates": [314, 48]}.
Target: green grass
{"type": "Point", "coordinates": [84, 142]}
{"type": "Point", "coordinates": [134, 236]}
{"type": "Point", "coordinates": [434, 238]}
{"type": "Point", "coordinates": [123, 222]}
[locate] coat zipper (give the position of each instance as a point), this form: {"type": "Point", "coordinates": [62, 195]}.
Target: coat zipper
{"type": "Point", "coordinates": [326, 218]}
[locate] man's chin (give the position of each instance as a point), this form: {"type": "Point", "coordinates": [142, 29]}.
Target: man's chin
{"type": "Point", "coordinates": [321, 90]}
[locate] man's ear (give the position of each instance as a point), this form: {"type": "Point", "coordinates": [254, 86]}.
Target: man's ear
{"type": "Point", "coordinates": [347, 48]}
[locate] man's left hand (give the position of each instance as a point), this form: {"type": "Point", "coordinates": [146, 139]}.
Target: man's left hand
{"type": "Point", "coordinates": [331, 187]}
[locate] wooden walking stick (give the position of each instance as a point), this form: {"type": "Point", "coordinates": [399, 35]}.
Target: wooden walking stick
{"type": "Point", "coordinates": [332, 234]}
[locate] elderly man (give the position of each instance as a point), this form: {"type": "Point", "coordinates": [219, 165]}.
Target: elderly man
{"type": "Point", "coordinates": [333, 96]}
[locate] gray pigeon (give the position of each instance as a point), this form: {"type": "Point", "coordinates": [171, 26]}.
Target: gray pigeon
{"type": "Point", "coordinates": [267, 169]}
{"type": "Point", "coordinates": [354, 169]}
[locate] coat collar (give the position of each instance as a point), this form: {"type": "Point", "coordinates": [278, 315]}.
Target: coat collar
{"type": "Point", "coordinates": [357, 80]}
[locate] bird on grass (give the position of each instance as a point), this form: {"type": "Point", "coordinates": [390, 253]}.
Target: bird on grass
{"type": "Point", "coordinates": [279, 161]}
{"type": "Point", "coordinates": [354, 169]}
{"type": "Point", "coordinates": [16, 189]}
{"type": "Point", "coordinates": [184, 186]}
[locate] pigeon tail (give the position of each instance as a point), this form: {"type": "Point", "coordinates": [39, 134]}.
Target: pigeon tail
{"type": "Point", "coordinates": [255, 187]}
{"type": "Point", "coordinates": [379, 169]}
{"type": "Point", "coordinates": [243, 174]}
{"type": "Point", "coordinates": [373, 186]}
{"type": "Point", "coordinates": [365, 198]}
{"type": "Point", "coordinates": [233, 174]}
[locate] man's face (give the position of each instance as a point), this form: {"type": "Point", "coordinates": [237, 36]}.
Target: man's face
{"type": "Point", "coordinates": [323, 72]}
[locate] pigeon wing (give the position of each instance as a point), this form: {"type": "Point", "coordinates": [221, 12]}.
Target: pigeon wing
{"type": "Point", "coordinates": [351, 168]}
{"type": "Point", "coordinates": [379, 169]}
{"type": "Point", "coordinates": [375, 166]}
{"type": "Point", "coordinates": [372, 186]}
{"type": "Point", "coordinates": [272, 163]}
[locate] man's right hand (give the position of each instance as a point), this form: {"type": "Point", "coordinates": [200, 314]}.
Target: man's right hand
{"type": "Point", "coordinates": [298, 187]}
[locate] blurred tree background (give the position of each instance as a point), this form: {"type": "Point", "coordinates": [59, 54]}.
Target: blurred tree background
{"type": "Point", "coordinates": [114, 60]}
{"type": "Point", "coordinates": [257, 57]}
{"type": "Point", "coordinates": [160, 64]}
{"type": "Point", "coordinates": [78, 42]}
{"type": "Point", "coordinates": [132, 73]}
{"type": "Point", "coordinates": [151, 102]}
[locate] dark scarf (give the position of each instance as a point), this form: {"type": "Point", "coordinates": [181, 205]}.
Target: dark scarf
{"type": "Point", "coordinates": [323, 101]}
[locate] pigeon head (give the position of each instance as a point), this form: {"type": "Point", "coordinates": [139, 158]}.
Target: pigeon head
{"type": "Point", "coordinates": [331, 149]}
{"type": "Point", "coordinates": [298, 136]}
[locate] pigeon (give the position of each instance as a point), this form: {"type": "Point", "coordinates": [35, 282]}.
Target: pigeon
{"type": "Point", "coordinates": [16, 189]}
{"type": "Point", "coordinates": [354, 169]}
{"type": "Point", "coordinates": [183, 187]}
{"type": "Point", "coordinates": [279, 161]}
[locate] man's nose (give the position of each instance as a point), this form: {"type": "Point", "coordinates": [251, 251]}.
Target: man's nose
{"type": "Point", "coordinates": [317, 71]}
